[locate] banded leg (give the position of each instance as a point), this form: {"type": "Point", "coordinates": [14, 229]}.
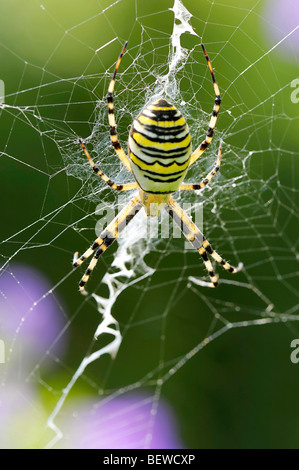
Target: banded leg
{"type": "Point", "coordinates": [111, 117]}
{"type": "Point", "coordinates": [107, 237]}
{"type": "Point", "coordinates": [197, 239]}
{"type": "Point", "coordinates": [98, 242]}
{"type": "Point", "coordinates": [117, 187]}
{"type": "Point", "coordinates": [205, 181]}
{"type": "Point", "coordinates": [200, 150]}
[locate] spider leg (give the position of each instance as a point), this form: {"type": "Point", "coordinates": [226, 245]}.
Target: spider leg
{"type": "Point", "coordinates": [111, 117]}
{"type": "Point", "coordinates": [96, 244]}
{"type": "Point", "coordinates": [117, 187]}
{"type": "Point", "coordinates": [200, 150]}
{"type": "Point", "coordinates": [206, 180]}
{"type": "Point", "coordinates": [107, 237]}
{"type": "Point", "coordinates": [197, 239]}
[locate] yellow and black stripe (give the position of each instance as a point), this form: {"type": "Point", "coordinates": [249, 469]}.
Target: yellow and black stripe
{"type": "Point", "coordinates": [159, 148]}
{"type": "Point", "coordinates": [111, 117]}
{"type": "Point", "coordinates": [198, 240]}
{"type": "Point", "coordinates": [97, 171]}
{"type": "Point", "coordinates": [206, 180]}
{"type": "Point", "coordinates": [200, 150]}
{"type": "Point", "coordinates": [107, 237]}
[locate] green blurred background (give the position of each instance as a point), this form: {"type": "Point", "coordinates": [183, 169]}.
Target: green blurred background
{"type": "Point", "coordinates": [241, 390]}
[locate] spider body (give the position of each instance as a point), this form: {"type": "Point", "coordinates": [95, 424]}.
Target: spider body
{"type": "Point", "coordinates": [160, 153]}
{"type": "Point", "coordinates": [159, 148]}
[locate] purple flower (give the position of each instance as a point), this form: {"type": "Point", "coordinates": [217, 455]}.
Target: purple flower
{"type": "Point", "coordinates": [132, 421]}
{"type": "Point", "coordinates": [281, 17]}
{"type": "Point", "coordinates": [31, 318]}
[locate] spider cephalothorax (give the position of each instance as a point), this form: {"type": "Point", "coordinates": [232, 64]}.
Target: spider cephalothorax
{"type": "Point", "coordinates": [159, 157]}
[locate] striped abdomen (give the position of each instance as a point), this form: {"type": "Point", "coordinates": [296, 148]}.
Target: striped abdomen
{"type": "Point", "coordinates": [159, 148]}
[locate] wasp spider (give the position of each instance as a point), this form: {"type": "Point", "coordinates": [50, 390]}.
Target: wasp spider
{"type": "Point", "coordinates": [159, 157]}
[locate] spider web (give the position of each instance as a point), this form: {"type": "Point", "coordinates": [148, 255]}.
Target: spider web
{"type": "Point", "coordinates": [149, 357]}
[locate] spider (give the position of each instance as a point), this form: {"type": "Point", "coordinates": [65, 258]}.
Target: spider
{"type": "Point", "coordinates": [159, 157]}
